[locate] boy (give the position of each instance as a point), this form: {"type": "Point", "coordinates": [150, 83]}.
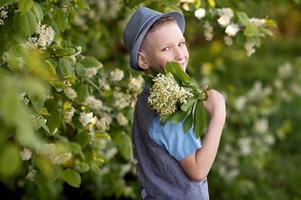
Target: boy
{"type": "Point", "coordinates": [169, 163]}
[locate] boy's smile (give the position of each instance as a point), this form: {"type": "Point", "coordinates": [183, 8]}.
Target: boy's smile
{"type": "Point", "coordinates": [166, 43]}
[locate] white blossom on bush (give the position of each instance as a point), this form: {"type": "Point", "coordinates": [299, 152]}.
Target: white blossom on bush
{"type": "Point", "coordinates": [44, 37]}
{"type": "Point", "coordinates": [249, 47]}
{"type": "Point", "coordinates": [240, 103]}
{"type": "Point", "coordinates": [228, 40]}
{"type": "Point", "coordinates": [257, 22]}
{"type": "Point", "coordinates": [94, 103]}
{"type": "Point", "coordinates": [68, 115]}
{"type": "Point", "coordinates": [3, 15]}
{"type": "Point", "coordinates": [91, 72]}
{"type": "Point", "coordinates": [135, 84]}
{"type": "Point", "coordinates": [26, 154]}
{"type": "Point", "coordinates": [104, 122]}
{"type": "Point", "coordinates": [226, 15]}
{"type": "Point", "coordinates": [23, 98]}
{"type": "Point", "coordinates": [232, 30]}
{"type": "Point", "coordinates": [261, 125]}
{"type": "Point", "coordinates": [31, 173]}
{"type": "Point", "coordinates": [121, 119]}
{"type": "Point", "coordinates": [116, 75]}
{"type": "Point", "coordinates": [87, 119]}
{"type": "Point", "coordinates": [245, 145]}
{"type": "Point", "coordinates": [51, 152]}
{"type": "Point", "coordinates": [200, 13]}
{"type": "Point", "coordinates": [70, 93]}
{"type": "Point", "coordinates": [121, 100]}
{"type": "Point", "coordinates": [208, 31]}
{"type": "Point", "coordinates": [285, 70]}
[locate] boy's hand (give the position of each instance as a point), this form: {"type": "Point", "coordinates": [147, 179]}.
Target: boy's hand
{"type": "Point", "coordinates": [215, 105]}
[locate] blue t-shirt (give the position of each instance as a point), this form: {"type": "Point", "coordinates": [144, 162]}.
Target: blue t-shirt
{"type": "Point", "coordinates": [172, 137]}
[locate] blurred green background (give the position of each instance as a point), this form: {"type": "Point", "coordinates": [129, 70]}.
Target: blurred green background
{"type": "Point", "coordinates": [259, 155]}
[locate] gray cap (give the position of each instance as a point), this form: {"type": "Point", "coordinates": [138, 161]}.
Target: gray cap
{"type": "Point", "coordinates": [138, 26]}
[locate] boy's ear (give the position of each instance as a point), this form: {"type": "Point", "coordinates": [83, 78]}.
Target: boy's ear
{"type": "Point", "coordinates": [142, 61]}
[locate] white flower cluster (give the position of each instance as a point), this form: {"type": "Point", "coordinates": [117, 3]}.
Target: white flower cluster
{"type": "Point", "coordinates": [256, 93]}
{"type": "Point", "coordinates": [285, 70]}
{"type": "Point", "coordinates": [135, 84]}
{"type": "Point", "coordinates": [31, 173]}
{"type": "Point", "coordinates": [26, 154]}
{"type": "Point", "coordinates": [23, 98]}
{"type": "Point", "coordinates": [56, 157]}
{"type": "Point", "coordinates": [165, 94]}
{"type": "Point", "coordinates": [68, 115]}
{"type": "Point", "coordinates": [225, 16]}
{"type": "Point", "coordinates": [208, 31]}
{"type": "Point", "coordinates": [121, 119]}
{"type": "Point", "coordinates": [116, 75]}
{"type": "Point", "coordinates": [224, 20]}
{"type": "Point", "coordinates": [104, 122]}
{"type": "Point", "coordinates": [70, 93]}
{"type": "Point", "coordinates": [200, 13]}
{"type": "Point", "coordinates": [94, 103]}
{"type": "Point", "coordinates": [3, 15]}
{"type": "Point", "coordinates": [121, 100]}
{"type": "Point", "coordinates": [90, 72]}
{"type": "Point", "coordinates": [249, 47]}
{"type": "Point", "coordinates": [87, 119]}
{"type": "Point", "coordinates": [44, 37]}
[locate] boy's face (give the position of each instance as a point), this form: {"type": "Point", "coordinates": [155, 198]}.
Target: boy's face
{"type": "Point", "coordinates": [165, 43]}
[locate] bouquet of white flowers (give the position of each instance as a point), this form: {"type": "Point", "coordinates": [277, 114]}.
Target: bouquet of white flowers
{"type": "Point", "coordinates": [176, 99]}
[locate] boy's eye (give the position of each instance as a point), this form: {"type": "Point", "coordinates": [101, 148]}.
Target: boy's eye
{"type": "Point", "coordinates": [166, 49]}
{"type": "Point", "coordinates": [181, 44]}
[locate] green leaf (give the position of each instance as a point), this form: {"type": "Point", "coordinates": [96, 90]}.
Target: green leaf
{"type": "Point", "coordinates": [199, 119]}
{"type": "Point", "coordinates": [243, 18]}
{"type": "Point", "coordinates": [37, 101]}
{"type": "Point", "coordinates": [37, 11]}
{"type": "Point", "coordinates": [65, 68]}
{"type": "Point", "coordinates": [188, 123]}
{"type": "Point", "coordinates": [178, 116]}
{"type": "Point", "coordinates": [80, 70]}
{"type": "Point", "coordinates": [252, 31]}
{"type": "Point", "coordinates": [76, 149]}
{"type": "Point", "coordinates": [61, 20]}
{"type": "Point", "coordinates": [82, 4]}
{"type": "Point", "coordinates": [82, 91]}
{"type": "Point", "coordinates": [256, 41]}
{"type": "Point", "coordinates": [10, 161]}
{"type": "Point", "coordinates": [21, 25]}
{"type": "Point", "coordinates": [90, 62]}
{"type": "Point", "coordinates": [32, 21]}
{"type": "Point", "coordinates": [71, 177]}
{"type": "Point", "coordinates": [176, 70]}
{"type": "Point", "coordinates": [148, 79]}
{"type": "Point", "coordinates": [123, 143]}
{"type": "Point", "coordinates": [266, 31]}
{"type": "Point", "coordinates": [25, 5]}
{"type": "Point", "coordinates": [189, 103]}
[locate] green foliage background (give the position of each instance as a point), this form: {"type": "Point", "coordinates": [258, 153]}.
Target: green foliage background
{"type": "Point", "coordinates": [258, 157]}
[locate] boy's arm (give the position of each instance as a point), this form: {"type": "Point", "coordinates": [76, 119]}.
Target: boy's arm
{"type": "Point", "coordinates": [197, 165]}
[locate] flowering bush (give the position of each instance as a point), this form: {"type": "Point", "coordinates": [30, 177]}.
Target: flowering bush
{"type": "Point", "coordinates": [66, 99]}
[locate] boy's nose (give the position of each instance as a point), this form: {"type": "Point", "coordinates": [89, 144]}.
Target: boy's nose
{"type": "Point", "coordinates": [179, 54]}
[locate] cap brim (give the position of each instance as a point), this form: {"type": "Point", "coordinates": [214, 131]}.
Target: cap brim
{"type": "Point", "coordinates": [136, 47]}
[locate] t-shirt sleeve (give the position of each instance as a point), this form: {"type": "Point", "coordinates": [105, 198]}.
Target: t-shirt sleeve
{"type": "Point", "coordinates": [173, 139]}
